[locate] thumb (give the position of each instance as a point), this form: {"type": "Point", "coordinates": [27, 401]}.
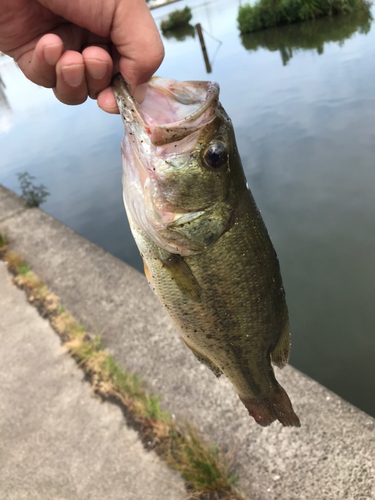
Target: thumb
{"type": "Point", "coordinates": [137, 40]}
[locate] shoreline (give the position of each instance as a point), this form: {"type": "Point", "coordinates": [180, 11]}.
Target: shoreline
{"type": "Point", "coordinates": [334, 451]}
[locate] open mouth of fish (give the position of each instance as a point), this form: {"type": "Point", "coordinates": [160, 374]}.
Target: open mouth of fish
{"type": "Point", "coordinates": [171, 110]}
{"type": "Point", "coordinates": [160, 135]}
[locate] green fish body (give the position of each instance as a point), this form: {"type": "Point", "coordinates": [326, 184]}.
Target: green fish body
{"type": "Point", "coordinates": [207, 253]}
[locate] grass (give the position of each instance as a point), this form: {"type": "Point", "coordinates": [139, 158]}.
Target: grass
{"type": "Point", "coordinates": [177, 19]}
{"type": "Point", "coordinates": [61, 309]}
{"type": "Point", "coordinates": [269, 13]}
{"type": "Point", "coordinates": [203, 466]}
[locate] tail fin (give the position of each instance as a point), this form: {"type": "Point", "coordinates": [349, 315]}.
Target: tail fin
{"type": "Point", "coordinates": [274, 406]}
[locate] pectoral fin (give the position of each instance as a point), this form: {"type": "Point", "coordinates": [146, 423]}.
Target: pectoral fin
{"type": "Point", "coordinates": [148, 276]}
{"type": "Point", "coordinates": [183, 276]}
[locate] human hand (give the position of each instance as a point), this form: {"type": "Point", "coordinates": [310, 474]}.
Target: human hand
{"type": "Point", "coordinates": [75, 46]}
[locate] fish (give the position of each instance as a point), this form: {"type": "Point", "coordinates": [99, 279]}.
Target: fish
{"type": "Point", "coordinates": [206, 251]}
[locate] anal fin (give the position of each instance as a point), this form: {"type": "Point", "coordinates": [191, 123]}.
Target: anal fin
{"type": "Point", "coordinates": [204, 359]}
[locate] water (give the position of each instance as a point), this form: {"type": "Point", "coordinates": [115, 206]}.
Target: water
{"type": "Point", "coordinates": [302, 100]}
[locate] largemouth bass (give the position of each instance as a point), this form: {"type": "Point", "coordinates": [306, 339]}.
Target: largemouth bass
{"type": "Point", "coordinates": [206, 251]}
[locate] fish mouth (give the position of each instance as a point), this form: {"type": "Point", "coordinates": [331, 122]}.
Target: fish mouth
{"type": "Point", "coordinates": [171, 110]}
{"type": "Point", "coordinates": [160, 135]}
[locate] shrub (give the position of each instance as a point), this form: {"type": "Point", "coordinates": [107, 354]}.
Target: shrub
{"type": "Point", "coordinates": [269, 13]}
{"type": "Point", "coordinates": [181, 33]}
{"type": "Point", "coordinates": [33, 195]}
{"type": "Point", "coordinates": [177, 19]}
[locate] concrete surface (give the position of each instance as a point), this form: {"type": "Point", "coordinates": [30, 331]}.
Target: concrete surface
{"type": "Point", "coordinates": [57, 440]}
{"type": "Point", "coordinates": [331, 457]}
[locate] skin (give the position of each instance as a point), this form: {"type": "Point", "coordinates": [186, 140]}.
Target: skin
{"type": "Point", "coordinates": [76, 46]}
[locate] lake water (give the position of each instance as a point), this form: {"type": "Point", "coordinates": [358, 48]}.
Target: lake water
{"type": "Point", "coordinates": [302, 100]}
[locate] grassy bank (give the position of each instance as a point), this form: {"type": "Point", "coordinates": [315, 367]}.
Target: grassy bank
{"type": "Point", "coordinates": [204, 467]}
{"type": "Point", "coordinates": [269, 13]}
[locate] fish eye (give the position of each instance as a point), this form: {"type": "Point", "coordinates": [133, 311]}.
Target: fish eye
{"type": "Point", "coordinates": [215, 156]}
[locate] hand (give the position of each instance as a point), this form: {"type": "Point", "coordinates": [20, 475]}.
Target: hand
{"type": "Point", "coordinates": [75, 46]}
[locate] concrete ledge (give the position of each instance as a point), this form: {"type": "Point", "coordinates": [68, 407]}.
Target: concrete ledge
{"type": "Point", "coordinates": [331, 457]}
{"type": "Point", "coordinates": [10, 204]}
{"type": "Point", "coordinates": [57, 441]}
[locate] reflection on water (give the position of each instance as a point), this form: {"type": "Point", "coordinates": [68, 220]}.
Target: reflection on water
{"type": "Point", "coordinates": [180, 33]}
{"type": "Point", "coordinates": [308, 35]}
{"type": "Point", "coordinates": [306, 135]}
{"type": "Point", "coordinates": [5, 109]}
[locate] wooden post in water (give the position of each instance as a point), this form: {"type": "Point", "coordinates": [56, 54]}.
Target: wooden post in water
{"type": "Point", "coordinates": [198, 27]}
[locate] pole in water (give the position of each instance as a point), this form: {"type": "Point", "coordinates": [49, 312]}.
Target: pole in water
{"type": "Point", "coordinates": [198, 27]}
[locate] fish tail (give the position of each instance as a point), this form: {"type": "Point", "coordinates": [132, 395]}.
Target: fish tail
{"type": "Point", "coordinates": [274, 406]}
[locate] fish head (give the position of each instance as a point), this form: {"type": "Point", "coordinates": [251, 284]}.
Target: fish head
{"type": "Point", "coordinates": [182, 172]}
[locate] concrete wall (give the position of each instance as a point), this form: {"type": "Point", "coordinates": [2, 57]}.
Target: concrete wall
{"type": "Point", "coordinates": [332, 456]}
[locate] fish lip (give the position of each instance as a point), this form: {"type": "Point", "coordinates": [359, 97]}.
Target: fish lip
{"type": "Point", "coordinates": [128, 106]}
{"type": "Point", "coordinates": [161, 133]}
{"type": "Point", "coordinates": [129, 110]}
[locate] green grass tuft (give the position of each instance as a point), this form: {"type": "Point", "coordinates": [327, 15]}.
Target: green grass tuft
{"type": "Point", "coordinates": [129, 384]}
{"type": "Point", "coordinates": [85, 350]}
{"type": "Point", "coordinates": [177, 19]}
{"type": "Point", "coordinates": [61, 309]}
{"type": "Point", "coordinates": [153, 410]}
{"type": "Point", "coordinates": [202, 465]}
{"type": "Point", "coordinates": [15, 263]}
{"type": "Point", "coordinates": [77, 328]}
{"type": "Point", "coordinates": [269, 13]}
{"type": "Point", "coordinates": [23, 269]}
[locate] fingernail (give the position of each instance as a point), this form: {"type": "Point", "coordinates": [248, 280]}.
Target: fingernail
{"type": "Point", "coordinates": [52, 53]}
{"type": "Point", "coordinates": [73, 75]}
{"type": "Point", "coordinates": [139, 92]}
{"type": "Point", "coordinates": [96, 69]}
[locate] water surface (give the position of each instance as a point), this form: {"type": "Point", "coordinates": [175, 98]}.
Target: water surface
{"type": "Point", "coordinates": [302, 100]}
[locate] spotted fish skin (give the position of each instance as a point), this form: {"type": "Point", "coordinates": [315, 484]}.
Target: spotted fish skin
{"type": "Point", "coordinates": [207, 253]}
